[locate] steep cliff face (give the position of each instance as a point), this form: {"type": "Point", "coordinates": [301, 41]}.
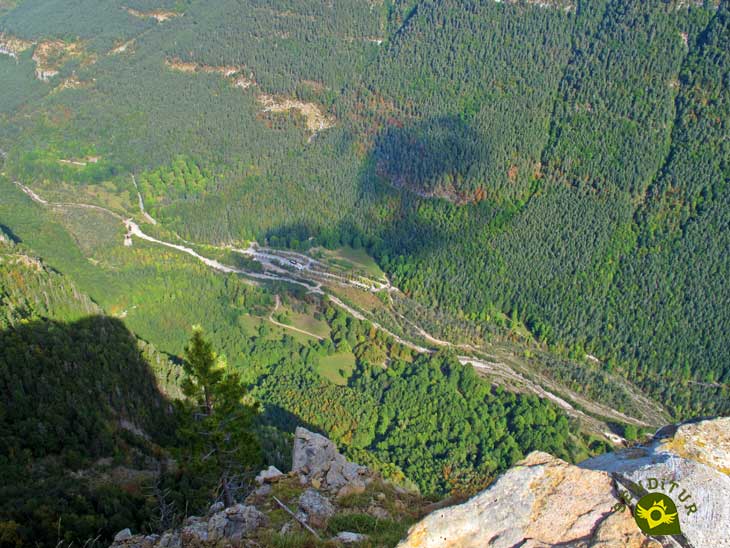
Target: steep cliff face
{"type": "Point", "coordinates": [544, 501]}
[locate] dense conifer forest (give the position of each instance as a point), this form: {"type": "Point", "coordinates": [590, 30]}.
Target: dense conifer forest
{"type": "Point", "coordinates": [548, 176]}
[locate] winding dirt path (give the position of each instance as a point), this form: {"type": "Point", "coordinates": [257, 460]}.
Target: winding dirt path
{"type": "Point", "coordinates": [133, 229]}
{"type": "Point", "coordinates": [302, 331]}
{"type": "Point", "coordinates": [146, 215]}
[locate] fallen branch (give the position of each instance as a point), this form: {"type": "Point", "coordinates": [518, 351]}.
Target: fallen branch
{"type": "Point", "coordinates": [292, 514]}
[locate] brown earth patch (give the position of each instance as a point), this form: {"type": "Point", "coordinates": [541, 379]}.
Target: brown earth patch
{"type": "Point", "coordinates": [50, 55]}
{"type": "Point", "coordinates": [13, 46]}
{"type": "Point", "coordinates": [316, 119]}
{"type": "Point", "coordinates": [158, 15]}
{"type": "Point", "coordinates": [234, 73]}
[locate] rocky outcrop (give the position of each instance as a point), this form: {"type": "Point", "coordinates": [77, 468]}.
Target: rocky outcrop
{"type": "Point", "coordinates": [238, 75]}
{"type": "Point", "coordinates": [158, 15]}
{"type": "Point", "coordinates": [234, 523]}
{"type": "Point", "coordinates": [346, 537]}
{"type": "Point", "coordinates": [691, 464]}
{"type": "Point", "coordinates": [50, 55]}
{"type": "Point", "coordinates": [323, 484]}
{"type": "Point", "coordinates": [541, 501]}
{"type": "Point", "coordinates": [227, 527]}
{"type": "Point", "coordinates": [13, 46]}
{"type": "Point", "coordinates": [316, 119]}
{"type": "Point", "coordinates": [319, 463]}
{"type": "Point", "coordinates": [270, 474]}
{"type": "Point", "coordinates": [544, 501]}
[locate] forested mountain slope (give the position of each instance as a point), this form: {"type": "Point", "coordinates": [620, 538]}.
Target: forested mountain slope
{"type": "Point", "coordinates": [543, 187]}
{"type": "Point", "coordinates": [557, 164]}
{"type": "Point", "coordinates": [673, 288]}
{"type": "Point", "coordinates": [557, 263]}
{"type": "Point", "coordinates": [76, 388]}
{"type": "Point", "coordinates": [91, 438]}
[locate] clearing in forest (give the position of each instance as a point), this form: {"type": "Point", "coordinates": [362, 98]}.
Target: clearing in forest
{"type": "Point", "coordinates": [234, 73]}
{"type": "Point", "coordinates": [316, 119]}
{"type": "Point", "coordinates": [337, 367]}
{"type": "Point", "coordinates": [50, 55]}
{"type": "Point", "coordinates": [158, 15]}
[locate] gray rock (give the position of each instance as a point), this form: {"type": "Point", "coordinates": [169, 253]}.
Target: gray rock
{"type": "Point", "coordinates": [544, 501]}
{"type": "Point", "coordinates": [690, 464]}
{"type": "Point", "coordinates": [217, 507]}
{"type": "Point", "coordinates": [318, 509]}
{"type": "Point", "coordinates": [217, 525]}
{"type": "Point", "coordinates": [346, 537]}
{"type": "Point", "coordinates": [271, 473]}
{"type": "Point", "coordinates": [170, 540]}
{"type": "Point", "coordinates": [235, 522]}
{"type": "Point", "coordinates": [123, 535]}
{"type": "Point", "coordinates": [354, 487]}
{"type": "Point", "coordinates": [378, 512]}
{"type": "Point", "coordinates": [312, 452]}
{"type": "Point", "coordinates": [351, 471]}
{"type": "Point", "coordinates": [335, 479]}
{"type": "Point", "coordinates": [194, 534]}
{"type": "Point", "coordinates": [125, 539]}
{"type": "Point", "coordinates": [315, 458]}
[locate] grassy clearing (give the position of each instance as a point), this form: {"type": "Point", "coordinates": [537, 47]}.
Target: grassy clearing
{"type": "Point", "coordinates": [352, 260]}
{"type": "Point", "coordinates": [337, 367]}
{"type": "Point", "coordinates": [276, 332]}
{"type": "Point", "coordinates": [250, 324]}
{"type": "Point", "coordinates": [94, 231]}
{"type": "Point", "coordinates": [366, 301]}
{"type": "Point", "coordinates": [307, 322]}
{"type": "Point", "coordinates": [105, 194]}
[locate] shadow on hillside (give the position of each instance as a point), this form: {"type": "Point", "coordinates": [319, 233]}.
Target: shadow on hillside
{"type": "Point", "coordinates": [8, 232]}
{"type": "Point", "coordinates": [429, 155]}
{"type": "Point", "coordinates": [285, 420]}
{"type": "Point", "coordinates": [72, 394]}
{"type": "Point", "coordinates": [76, 386]}
{"type": "Point", "coordinates": [409, 165]}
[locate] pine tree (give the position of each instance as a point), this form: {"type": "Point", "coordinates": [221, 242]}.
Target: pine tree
{"type": "Point", "coordinates": [217, 424]}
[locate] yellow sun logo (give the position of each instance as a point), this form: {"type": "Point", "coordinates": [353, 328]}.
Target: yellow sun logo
{"type": "Point", "coordinates": [656, 514]}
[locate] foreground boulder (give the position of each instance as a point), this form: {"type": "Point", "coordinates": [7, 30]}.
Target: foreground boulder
{"type": "Point", "coordinates": [691, 464]}
{"type": "Point", "coordinates": [235, 523]}
{"type": "Point", "coordinates": [272, 473]}
{"type": "Point", "coordinates": [544, 501]}
{"type": "Point", "coordinates": [541, 501]}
